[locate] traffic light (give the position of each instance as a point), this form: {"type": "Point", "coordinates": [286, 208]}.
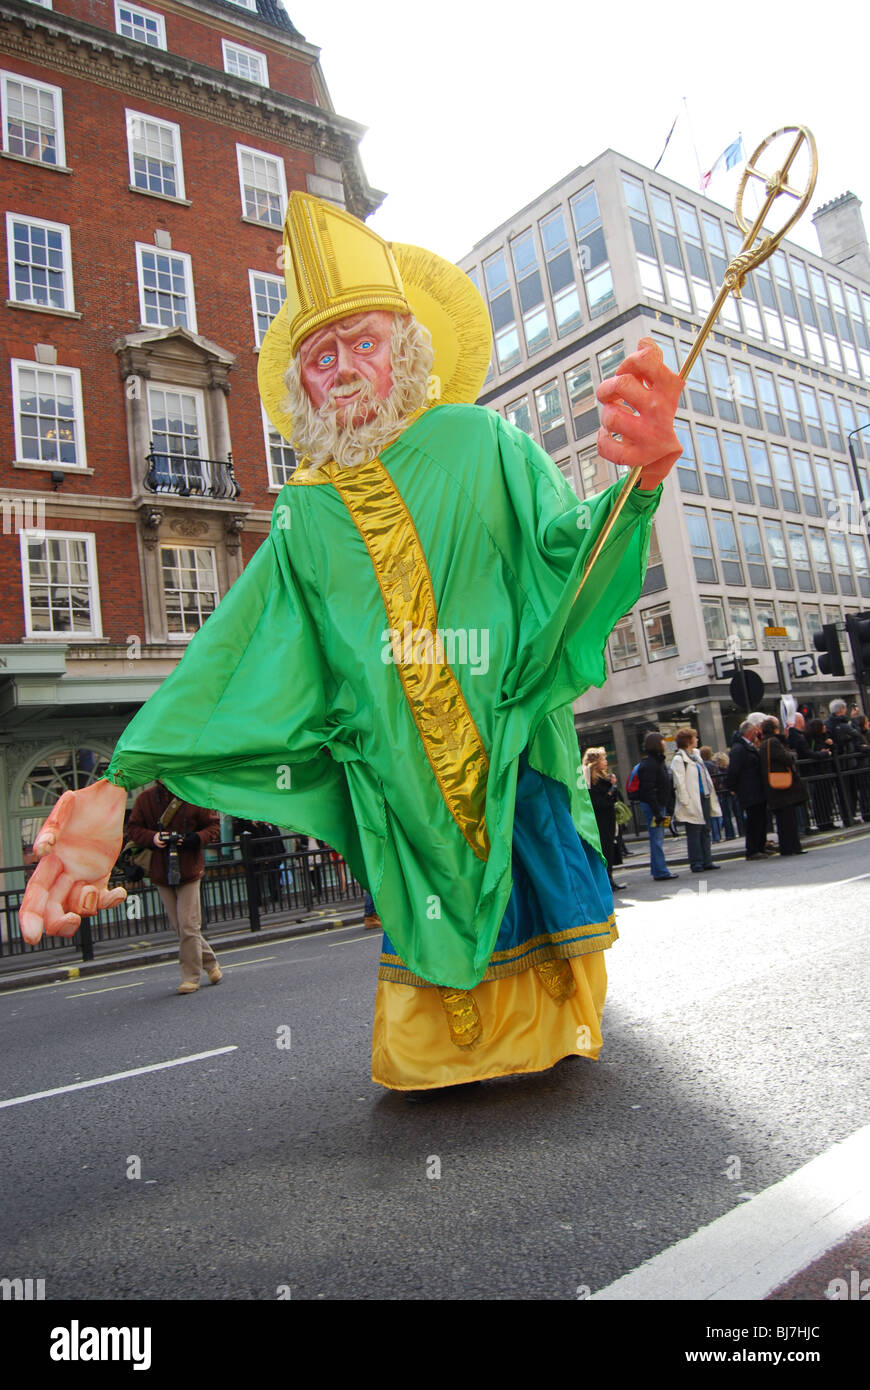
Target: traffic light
{"type": "Point", "coordinates": [828, 642]}
{"type": "Point", "coordinates": [808, 710]}
{"type": "Point", "coordinates": [858, 628]}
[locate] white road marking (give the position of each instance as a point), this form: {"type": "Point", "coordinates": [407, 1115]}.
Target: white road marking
{"type": "Point", "coordinates": [80, 994]}
{"type": "Point", "coordinates": [118, 1076]}
{"type": "Point", "coordinates": [750, 1251]}
{"type": "Point", "coordinates": [235, 964]}
{"type": "Point", "coordinates": [331, 944]}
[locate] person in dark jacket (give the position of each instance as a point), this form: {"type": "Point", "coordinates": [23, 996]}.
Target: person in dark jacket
{"type": "Point", "coordinates": [847, 744]}
{"type": "Point", "coordinates": [744, 779]}
{"type": "Point", "coordinates": [603, 794]}
{"type": "Point", "coordinates": [198, 828]}
{"type": "Point", "coordinates": [654, 794]}
{"type": "Point", "coordinates": [796, 739]}
{"type": "Point", "coordinates": [775, 758]}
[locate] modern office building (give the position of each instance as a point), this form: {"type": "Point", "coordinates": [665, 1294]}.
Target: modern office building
{"type": "Point", "coordinates": [760, 525]}
{"type": "Point", "coordinates": [147, 154]}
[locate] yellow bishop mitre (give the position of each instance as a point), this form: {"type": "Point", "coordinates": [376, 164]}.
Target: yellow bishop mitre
{"type": "Point", "coordinates": [335, 266]}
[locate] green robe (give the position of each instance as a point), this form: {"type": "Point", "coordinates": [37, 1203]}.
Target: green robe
{"type": "Point", "coordinates": [289, 708]}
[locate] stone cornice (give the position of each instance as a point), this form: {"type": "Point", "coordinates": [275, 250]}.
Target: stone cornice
{"type": "Point", "coordinates": [68, 45]}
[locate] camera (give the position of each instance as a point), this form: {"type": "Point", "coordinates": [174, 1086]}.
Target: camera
{"type": "Point", "coordinates": [173, 868]}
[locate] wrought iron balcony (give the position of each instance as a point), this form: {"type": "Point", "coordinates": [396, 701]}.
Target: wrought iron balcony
{"type": "Point", "coordinates": [191, 477]}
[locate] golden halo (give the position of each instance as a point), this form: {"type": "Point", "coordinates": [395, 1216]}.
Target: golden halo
{"type": "Point", "coordinates": [442, 299]}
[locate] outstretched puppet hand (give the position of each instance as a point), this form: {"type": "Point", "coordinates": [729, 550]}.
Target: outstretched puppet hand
{"type": "Point", "coordinates": [77, 848]}
{"type": "Point", "coordinates": [647, 438]}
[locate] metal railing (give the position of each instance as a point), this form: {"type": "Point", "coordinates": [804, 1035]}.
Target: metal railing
{"type": "Point", "coordinates": [191, 477]}
{"type": "Point", "coordinates": [838, 790]}
{"type": "Point", "coordinates": [246, 881]}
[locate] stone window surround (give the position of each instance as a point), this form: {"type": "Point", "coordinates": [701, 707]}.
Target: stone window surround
{"type": "Point", "coordinates": [179, 359]}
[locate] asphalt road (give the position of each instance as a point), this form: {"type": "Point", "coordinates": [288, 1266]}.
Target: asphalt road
{"type": "Point", "coordinates": [736, 1049]}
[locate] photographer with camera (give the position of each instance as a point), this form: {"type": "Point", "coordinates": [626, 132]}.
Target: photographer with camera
{"type": "Point", "coordinates": [176, 833]}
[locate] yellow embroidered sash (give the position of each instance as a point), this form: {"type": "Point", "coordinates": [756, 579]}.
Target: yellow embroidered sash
{"type": "Point", "coordinates": [447, 731]}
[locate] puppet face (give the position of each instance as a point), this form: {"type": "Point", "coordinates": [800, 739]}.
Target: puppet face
{"type": "Point", "coordinates": [347, 363]}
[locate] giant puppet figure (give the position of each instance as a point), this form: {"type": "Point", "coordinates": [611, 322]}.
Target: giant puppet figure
{"type": "Point", "coordinates": [394, 670]}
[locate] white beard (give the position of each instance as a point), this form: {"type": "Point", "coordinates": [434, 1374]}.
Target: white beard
{"type": "Point", "coordinates": [318, 435]}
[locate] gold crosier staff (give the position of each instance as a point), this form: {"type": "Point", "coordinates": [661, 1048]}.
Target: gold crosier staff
{"type": "Point", "coordinates": [748, 257]}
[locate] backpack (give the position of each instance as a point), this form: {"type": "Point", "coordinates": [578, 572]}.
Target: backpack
{"type": "Point", "coordinates": [632, 786]}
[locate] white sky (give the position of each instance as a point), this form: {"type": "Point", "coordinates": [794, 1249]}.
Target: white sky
{"type": "Point", "coordinates": [474, 108]}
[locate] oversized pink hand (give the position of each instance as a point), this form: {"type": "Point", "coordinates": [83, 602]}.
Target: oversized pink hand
{"type": "Point", "coordinates": [77, 847]}
{"type": "Point", "coordinates": [648, 439]}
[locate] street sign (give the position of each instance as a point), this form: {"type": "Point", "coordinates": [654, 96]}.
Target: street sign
{"type": "Point", "coordinates": [754, 689]}
{"type": "Point", "coordinates": [804, 665]}
{"type": "Point", "coordinates": [723, 667]}
{"type": "Point", "coordinates": [691, 669]}
{"type": "Point", "coordinates": [775, 639]}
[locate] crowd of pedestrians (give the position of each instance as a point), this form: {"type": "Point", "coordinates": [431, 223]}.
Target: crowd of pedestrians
{"type": "Point", "coordinates": [770, 776]}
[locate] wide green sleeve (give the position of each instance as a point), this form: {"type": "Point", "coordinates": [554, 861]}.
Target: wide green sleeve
{"type": "Point", "coordinates": [563, 637]}
{"type": "Point", "coordinates": [241, 724]}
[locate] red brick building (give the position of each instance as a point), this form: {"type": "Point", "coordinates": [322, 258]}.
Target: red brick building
{"type": "Point", "coordinates": [147, 154]}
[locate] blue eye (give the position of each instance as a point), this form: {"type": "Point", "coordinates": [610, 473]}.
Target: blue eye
{"type": "Point", "coordinates": [366, 344]}
{"type": "Point", "coordinates": [326, 359]}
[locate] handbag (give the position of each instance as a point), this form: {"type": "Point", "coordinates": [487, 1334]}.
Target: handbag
{"type": "Point", "coordinates": [621, 813]}
{"type": "Point", "coordinates": [779, 781]}
{"type": "Point", "coordinates": [142, 857]}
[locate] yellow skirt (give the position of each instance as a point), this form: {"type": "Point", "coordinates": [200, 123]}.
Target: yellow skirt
{"type": "Point", "coordinates": [522, 1029]}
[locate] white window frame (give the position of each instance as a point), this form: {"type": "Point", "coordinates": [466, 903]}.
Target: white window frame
{"type": "Point", "coordinates": [131, 119]}
{"type": "Point", "coordinates": [249, 53]}
{"type": "Point", "coordinates": [253, 276]}
{"type": "Point", "coordinates": [188, 283]}
{"type": "Point", "coordinates": [96, 629]}
{"type": "Point", "coordinates": [68, 305]}
{"type": "Point", "coordinates": [143, 13]}
{"type": "Point", "coordinates": [245, 4]}
{"type": "Point", "coordinates": [16, 363]}
{"type": "Point", "coordinates": [275, 159]}
{"type": "Point", "coordinates": [269, 429]}
{"type": "Point", "coordinates": [186, 636]}
{"type": "Point", "coordinates": [199, 402]}
{"type": "Point", "coordinates": [56, 94]}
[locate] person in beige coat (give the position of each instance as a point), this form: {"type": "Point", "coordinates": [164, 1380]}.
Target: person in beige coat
{"type": "Point", "coordinates": [696, 800]}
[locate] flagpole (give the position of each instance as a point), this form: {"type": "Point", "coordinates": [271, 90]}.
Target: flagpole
{"type": "Point", "coordinates": [694, 146]}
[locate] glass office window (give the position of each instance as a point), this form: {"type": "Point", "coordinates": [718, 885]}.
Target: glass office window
{"type": "Point", "coordinates": [759, 466]}
{"type": "Point", "coordinates": [624, 644]}
{"type": "Point", "coordinates": [687, 471]}
{"type": "Point", "coordinates": [806, 483]}
{"type": "Point", "coordinates": [800, 559]}
{"type": "Point", "coordinates": [750, 534]}
{"type": "Point", "coordinates": [581, 394]}
{"type": "Point", "coordinates": [738, 469]}
{"type": "Point", "coordinates": [711, 462]}
{"type": "Point", "coordinates": [592, 249]}
{"type": "Point", "coordinates": [531, 291]}
{"type": "Point", "coordinates": [778, 554]}
{"type": "Point", "coordinates": [741, 623]}
{"type": "Point", "coordinates": [726, 544]}
{"type": "Point", "coordinates": [822, 560]}
{"type": "Point", "coordinates": [520, 415]}
{"type": "Point", "coordinates": [560, 273]}
{"type": "Point", "coordinates": [784, 478]}
{"type": "Point", "coordinates": [713, 613]}
{"type": "Point", "coordinates": [700, 545]}
{"type": "Point", "coordinates": [658, 632]}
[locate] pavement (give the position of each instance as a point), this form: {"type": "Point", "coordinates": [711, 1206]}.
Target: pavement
{"type": "Point", "coordinates": [64, 962]}
{"type": "Point", "coordinates": [814, 1241]}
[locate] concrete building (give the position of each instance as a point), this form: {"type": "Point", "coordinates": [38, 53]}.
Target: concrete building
{"type": "Point", "coordinates": [147, 154]}
{"type": "Point", "coordinates": [761, 523]}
